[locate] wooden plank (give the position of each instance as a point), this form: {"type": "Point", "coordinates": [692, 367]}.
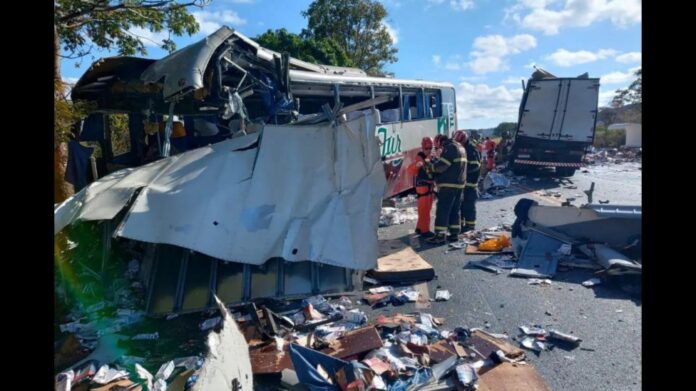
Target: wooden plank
{"type": "Point", "coordinates": [486, 344]}
{"type": "Point", "coordinates": [423, 301]}
{"type": "Point", "coordinates": [404, 265]}
{"type": "Point", "coordinates": [511, 377]}
{"type": "Point", "coordinates": [355, 342]}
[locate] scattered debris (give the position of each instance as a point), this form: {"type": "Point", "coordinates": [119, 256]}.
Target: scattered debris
{"type": "Point", "coordinates": [395, 216]}
{"type": "Point", "coordinates": [442, 295]}
{"type": "Point", "coordinates": [555, 334]}
{"type": "Point", "coordinates": [533, 344]}
{"type": "Point", "coordinates": [592, 282]}
{"type": "Point", "coordinates": [495, 181]}
{"type": "Point", "coordinates": [537, 281]}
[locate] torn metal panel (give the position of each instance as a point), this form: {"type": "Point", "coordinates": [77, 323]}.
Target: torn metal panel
{"type": "Point", "coordinates": [618, 226]}
{"type": "Point", "coordinates": [183, 70]}
{"type": "Point", "coordinates": [539, 257]}
{"type": "Point", "coordinates": [182, 281]}
{"type": "Point", "coordinates": [227, 365]}
{"type": "Point", "coordinates": [231, 202]}
{"type": "Point", "coordinates": [610, 259]}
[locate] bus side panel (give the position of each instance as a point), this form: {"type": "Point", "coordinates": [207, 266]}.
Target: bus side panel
{"type": "Point", "coordinates": [400, 143]}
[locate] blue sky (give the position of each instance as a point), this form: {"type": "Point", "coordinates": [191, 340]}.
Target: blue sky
{"type": "Point", "coordinates": [483, 47]}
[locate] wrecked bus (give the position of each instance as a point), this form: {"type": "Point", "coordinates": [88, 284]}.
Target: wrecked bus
{"type": "Point", "coordinates": [269, 181]}
{"type": "Point", "coordinates": [556, 123]}
{"type": "Point", "coordinates": [227, 85]}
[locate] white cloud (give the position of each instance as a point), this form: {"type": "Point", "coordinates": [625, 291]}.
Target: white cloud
{"type": "Point", "coordinates": [437, 59]}
{"type": "Point", "coordinates": [605, 98]}
{"type": "Point", "coordinates": [627, 58]}
{"type": "Point", "coordinates": [484, 104]}
{"type": "Point", "coordinates": [535, 14]}
{"type": "Point", "coordinates": [513, 80]}
{"type": "Point", "coordinates": [472, 78]}
{"type": "Point", "coordinates": [487, 65]}
{"type": "Point", "coordinates": [149, 38]}
{"type": "Point", "coordinates": [393, 32]}
{"type": "Point", "coordinates": [461, 5]}
{"type": "Point", "coordinates": [210, 21]}
{"type": "Point", "coordinates": [565, 58]}
{"type": "Point", "coordinates": [531, 65]}
{"type": "Point", "coordinates": [490, 51]}
{"type": "Point", "coordinates": [617, 77]}
{"type": "Point", "coordinates": [457, 5]}
{"type": "Point", "coordinates": [452, 66]}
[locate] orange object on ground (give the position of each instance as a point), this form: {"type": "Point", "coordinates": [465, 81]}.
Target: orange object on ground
{"type": "Point", "coordinates": [496, 244]}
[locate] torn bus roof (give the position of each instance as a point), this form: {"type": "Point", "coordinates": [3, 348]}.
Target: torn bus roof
{"type": "Point", "coordinates": [297, 192]}
{"type": "Point", "coordinates": [201, 77]}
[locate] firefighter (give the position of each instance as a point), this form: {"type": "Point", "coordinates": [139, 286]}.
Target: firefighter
{"type": "Point", "coordinates": [490, 154]}
{"type": "Point", "coordinates": [473, 172]}
{"type": "Point", "coordinates": [422, 172]}
{"type": "Point", "coordinates": [450, 177]}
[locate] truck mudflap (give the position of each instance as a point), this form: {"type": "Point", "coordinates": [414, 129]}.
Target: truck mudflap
{"type": "Point", "coordinates": [548, 164]}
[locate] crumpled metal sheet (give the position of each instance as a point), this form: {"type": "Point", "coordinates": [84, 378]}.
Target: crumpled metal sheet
{"type": "Point", "coordinates": [227, 365]}
{"type": "Point", "coordinates": [184, 68]}
{"type": "Point", "coordinates": [304, 193]}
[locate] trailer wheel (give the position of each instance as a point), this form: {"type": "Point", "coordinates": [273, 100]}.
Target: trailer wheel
{"type": "Point", "coordinates": [565, 171]}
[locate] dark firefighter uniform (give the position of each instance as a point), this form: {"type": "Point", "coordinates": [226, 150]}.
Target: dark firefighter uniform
{"type": "Point", "coordinates": [471, 194]}
{"type": "Point", "coordinates": [450, 177]}
{"type": "Point", "coordinates": [423, 182]}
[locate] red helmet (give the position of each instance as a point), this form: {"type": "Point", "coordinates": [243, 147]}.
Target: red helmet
{"type": "Point", "coordinates": [427, 143]}
{"type": "Point", "coordinates": [460, 137]}
{"type": "Point", "coordinates": [439, 139]}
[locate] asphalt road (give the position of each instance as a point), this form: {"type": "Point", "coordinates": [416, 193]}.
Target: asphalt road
{"type": "Point", "coordinates": [606, 317]}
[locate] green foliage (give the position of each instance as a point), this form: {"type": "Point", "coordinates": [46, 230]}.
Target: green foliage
{"type": "Point", "coordinates": [504, 127]}
{"type": "Point", "coordinates": [357, 26]}
{"type": "Point", "coordinates": [120, 135]}
{"type": "Point", "coordinates": [319, 51]}
{"type": "Point", "coordinates": [84, 24]}
{"type": "Point", "coordinates": [631, 95]}
{"type": "Point", "coordinates": [605, 138]}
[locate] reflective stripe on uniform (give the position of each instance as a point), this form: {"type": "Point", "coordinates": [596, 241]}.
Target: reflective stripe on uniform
{"type": "Point", "coordinates": [470, 222]}
{"type": "Point", "coordinates": [451, 185]}
{"type": "Point", "coordinates": [460, 159]}
{"type": "Point", "coordinates": [447, 162]}
{"type": "Point", "coordinates": [438, 228]}
{"type": "Point", "coordinates": [455, 226]}
{"type": "Point", "coordinates": [471, 185]}
{"type": "Point", "coordinates": [475, 163]}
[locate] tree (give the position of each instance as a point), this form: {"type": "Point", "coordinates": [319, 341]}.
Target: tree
{"type": "Point", "coordinates": [631, 95]}
{"type": "Point", "coordinates": [81, 25]}
{"type": "Point", "coordinates": [504, 127]}
{"type": "Point", "coordinates": [358, 28]}
{"type": "Point", "coordinates": [319, 51]}
{"type": "Point", "coordinates": [630, 100]}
